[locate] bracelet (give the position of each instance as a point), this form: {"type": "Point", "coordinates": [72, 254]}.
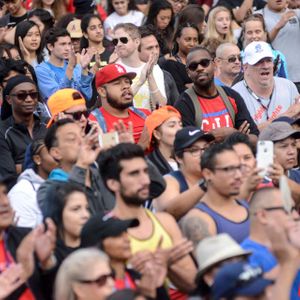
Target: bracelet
{"type": "Point", "coordinates": [155, 91]}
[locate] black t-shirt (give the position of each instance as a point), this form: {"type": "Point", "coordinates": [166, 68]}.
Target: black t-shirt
{"type": "Point", "coordinates": [231, 4]}
{"type": "Point", "coordinates": [215, 114]}
{"type": "Point", "coordinates": [9, 20]}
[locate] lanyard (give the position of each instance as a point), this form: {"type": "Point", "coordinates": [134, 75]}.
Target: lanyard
{"type": "Point", "coordinates": [266, 108]}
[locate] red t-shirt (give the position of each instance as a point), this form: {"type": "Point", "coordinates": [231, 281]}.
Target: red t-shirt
{"type": "Point", "coordinates": [215, 114]}
{"type": "Point", "coordinates": [126, 283]}
{"type": "Point", "coordinates": [137, 121]}
{"type": "Point", "coordinates": [5, 260]}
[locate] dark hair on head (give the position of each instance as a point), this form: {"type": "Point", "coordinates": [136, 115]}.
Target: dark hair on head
{"type": "Point", "coordinates": [178, 33]}
{"type": "Point", "coordinates": [127, 294]}
{"type": "Point", "coordinates": [21, 31]}
{"type": "Point", "coordinates": [199, 48]}
{"type": "Point", "coordinates": [50, 138]}
{"type": "Point", "coordinates": [109, 161]}
{"type": "Point", "coordinates": [8, 65]}
{"type": "Point", "coordinates": [7, 48]}
{"type": "Point", "coordinates": [192, 13]}
{"type": "Point", "coordinates": [110, 7]}
{"type": "Point", "coordinates": [211, 46]}
{"type": "Point", "coordinates": [35, 149]}
{"type": "Point", "coordinates": [44, 16]}
{"type": "Point", "coordinates": [55, 202]}
{"type": "Point", "coordinates": [240, 138]}
{"type": "Point", "coordinates": [64, 21]}
{"type": "Point", "coordinates": [147, 30]}
{"type": "Point", "coordinates": [85, 21]}
{"type": "Point", "coordinates": [53, 34]}
{"type": "Point", "coordinates": [208, 158]}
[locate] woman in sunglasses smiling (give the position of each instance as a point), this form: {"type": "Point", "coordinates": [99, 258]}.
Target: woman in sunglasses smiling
{"type": "Point", "coordinates": [85, 274]}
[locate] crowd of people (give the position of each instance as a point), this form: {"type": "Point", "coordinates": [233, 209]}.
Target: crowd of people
{"type": "Point", "coordinates": [149, 149]}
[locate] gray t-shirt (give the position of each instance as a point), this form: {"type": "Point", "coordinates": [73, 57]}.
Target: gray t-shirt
{"type": "Point", "coordinates": [283, 97]}
{"type": "Point", "coordinates": [287, 40]}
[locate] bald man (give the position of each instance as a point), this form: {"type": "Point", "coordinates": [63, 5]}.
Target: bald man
{"type": "Point", "coordinates": [228, 63]}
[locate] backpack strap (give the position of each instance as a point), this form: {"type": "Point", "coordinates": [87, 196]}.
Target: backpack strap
{"type": "Point", "coordinates": [198, 111]}
{"type": "Point", "coordinates": [100, 119]}
{"type": "Point", "coordinates": [138, 112]}
{"type": "Point", "coordinates": [227, 103]}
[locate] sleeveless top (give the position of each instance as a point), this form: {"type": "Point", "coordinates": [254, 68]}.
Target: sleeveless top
{"type": "Point", "coordinates": [152, 241]}
{"type": "Point", "coordinates": [183, 186]}
{"type": "Point", "coordinates": [237, 230]}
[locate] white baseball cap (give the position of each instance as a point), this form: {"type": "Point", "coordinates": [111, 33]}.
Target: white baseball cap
{"type": "Point", "coordinates": [256, 51]}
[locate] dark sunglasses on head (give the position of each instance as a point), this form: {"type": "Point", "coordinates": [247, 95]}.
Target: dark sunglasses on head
{"type": "Point", "coordinates": [234, 58]}
{"type": "Point", "coordinates": [203, 63]}
{"type": "Point", "coordinates": [78, 114]}
{"type": "Point", "coordinates": [100, 281]}
{"type": "Point", "coordinates": [123, 40]}
{"type": "Point", "coordinates": [23, 95]}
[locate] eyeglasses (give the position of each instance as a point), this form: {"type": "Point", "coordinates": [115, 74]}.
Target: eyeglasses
{"type": "Point", "coordinates": [230, 169]}
{"type": "Point", "coordinates": [195, 151]}
{"type": "Point", "coordinates": [203, 63]}
{"type": "Point", "coordinates": [293, 209]}
{"type": "Point", "coordinates": [78, 114]}
{"type": "Point", "coordinates": [23, 95]}
{"type": "Point", "coordinates": [123, 40]}
{"type": "Point", "coordinates": [233, 59]}
{"type": "Point", "coordinates": [100, 281]}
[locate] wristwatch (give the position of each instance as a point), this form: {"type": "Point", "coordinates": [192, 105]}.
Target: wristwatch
{"type": "Point", "coordinates": [202, 185]}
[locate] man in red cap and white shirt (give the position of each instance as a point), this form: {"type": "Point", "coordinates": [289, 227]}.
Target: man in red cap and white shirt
{"type": "Point", "coordinates": [113, 85]}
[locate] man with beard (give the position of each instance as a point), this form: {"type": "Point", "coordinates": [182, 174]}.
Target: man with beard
{"type": "Point", "coordinates": [125, 172]}
{"type": "Point", "coordinates": [219, 207]}
{"type": "Point", "coordinates": [217, 110]}
{"type": "Point", "coordinates": [113, 84]}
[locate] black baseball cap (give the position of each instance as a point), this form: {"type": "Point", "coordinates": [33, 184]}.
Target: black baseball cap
{"type": "Point", "coordinates": [187, 136]}
{"type": "Point", "coordinates": [101, 226]}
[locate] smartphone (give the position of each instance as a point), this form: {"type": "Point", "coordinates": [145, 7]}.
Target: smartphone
{"type": "Point", "coordinates": [109, 139]}
{"type": "Point", "coordinates": [88, 127]}
{"type": "Point", "coordinates": [264, 156]}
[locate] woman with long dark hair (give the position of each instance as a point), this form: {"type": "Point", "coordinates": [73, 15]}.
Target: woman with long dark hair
{"type": "Point", "coordinates": [121, 11]}
{"type": "Point", "coordinates": [28, 40]}
{"type": "Point", "coordinates": [162, 18]}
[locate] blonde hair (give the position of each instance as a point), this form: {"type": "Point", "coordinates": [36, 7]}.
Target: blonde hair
{"type": "Point", "coordinates": [73, 269]}
{"type": "Point", "coordinates": [212, 32]}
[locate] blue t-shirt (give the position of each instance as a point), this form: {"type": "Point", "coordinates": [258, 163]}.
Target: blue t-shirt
{"type": "Point", "coordinates": [294, 175]}
{"type": "Point", "coordinates": [262, 257]}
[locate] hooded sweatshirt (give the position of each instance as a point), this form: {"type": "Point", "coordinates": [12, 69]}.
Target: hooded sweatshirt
{"type": "Point", "coordinates": [23, 199]}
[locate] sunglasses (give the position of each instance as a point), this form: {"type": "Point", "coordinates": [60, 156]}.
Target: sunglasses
{"type": "Point", "coordinates": [203, 63]}
{"type": "Point", "coordinates": [100, 281]}
{"type": "Point", "coordinates": [23, 95]}
{"type": "Point", "coordinates": [233, 59]}
{"type": "Point", "coordinates": [78, 114]}
{"type": "Point", "coordinates": [123, 40]}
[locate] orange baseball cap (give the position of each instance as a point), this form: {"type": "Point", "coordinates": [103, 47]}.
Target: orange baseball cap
{"type": "Point", "coordinates": [158, 117]}
{"type": "Point", "coordinates": [63, 100]}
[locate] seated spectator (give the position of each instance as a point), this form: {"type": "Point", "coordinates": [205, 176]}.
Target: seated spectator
{"type": "Point", "coordinates": [211, 254]}
{"type": "Point", "coordinates": [185, 38]}
{"type": "Point", "coordinates": [219, 207]}
{"type": "Point", "coordinates": [149, 45]}
{"type": "Point", "coordinates": [22, 196]}
{"type": "Point", "coordinates": [206, 106]}
{"type": "Point", "coordinates": [148, 91]}
{"type": "Point", "coordinates": [16, 13]}
{"type": "Point", "coordinates": [265, 95]}
{"type": "Point", "coordinates": [85, 274]}
{"type": "Point", "coordinates": [75, 32]}
{"type": "Point", "coordinates": [113, 84]}
{"type": "Point", "coordinates": [184, 186]}
{"type": "Point", "coordinates": [228, 62]}
{"type": "Point", "coordinates": [58, 73]}
{"type": "Point", "coordinates": [22, 127]}
{"type": "Point", "coordinates": [121, 12]}
{"type": "Point", "coordinates": [162, 126]}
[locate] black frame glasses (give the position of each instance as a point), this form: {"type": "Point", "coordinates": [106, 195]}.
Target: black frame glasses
{"type": "Point", "coordinates": [77, 115]}
{"type": "Point", "coordinates": [124, 40]}
{"type": "Point", "coordinates": [205, 62]}
{"type": "Point", "coordinates": [22, 96]}
{"type": "Point", "coordinates": [100, 281]}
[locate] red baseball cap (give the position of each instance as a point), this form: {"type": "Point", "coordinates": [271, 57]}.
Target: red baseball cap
{"type": "Point", "coordinates": [110, 73]}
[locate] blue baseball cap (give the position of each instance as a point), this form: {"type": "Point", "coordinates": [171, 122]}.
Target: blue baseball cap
{"type": "Point", "coordinates": [239, 279]}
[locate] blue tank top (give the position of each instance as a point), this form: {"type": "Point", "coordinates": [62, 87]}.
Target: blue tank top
{"type": "Point", "coordinates": [238, 231]}
{"type": "Point", "coordinates": [183, 186]}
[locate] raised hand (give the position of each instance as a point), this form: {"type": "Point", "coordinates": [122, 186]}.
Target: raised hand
{"type": "Point", "coordinates": [285, 18]}
{"type": "Point", "coordinates": [24, 50]}
{"type": "Point", "coordinates": [72, 60]}
{"type": "Point", "coordinates": [85, 58]}
{"type": "Point", "coordinates": [125, 134]}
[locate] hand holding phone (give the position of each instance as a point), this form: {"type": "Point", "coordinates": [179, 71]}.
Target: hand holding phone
{"type": "Point", "coordinates": [109, 139]}
{"type": "Point", "coordinates": [264, 156]}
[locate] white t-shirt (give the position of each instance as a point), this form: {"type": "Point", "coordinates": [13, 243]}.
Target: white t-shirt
{"type": "Point", "coordinates": [135, 17]}
{"type": "Point", "coordinates": [283, 96]}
